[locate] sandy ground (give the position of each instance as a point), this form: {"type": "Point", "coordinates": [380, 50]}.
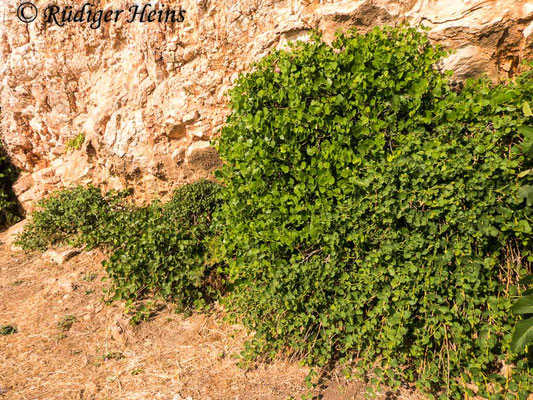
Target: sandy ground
{"type": "Point", "coordinates": [70, 345]}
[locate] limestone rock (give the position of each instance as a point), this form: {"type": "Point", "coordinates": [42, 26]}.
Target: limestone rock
{"type": "Point", "coordinates": [59, 285]}
{"type": "Point", "coordinates": [10, 236]}
{"type": "Point", "coordinates": [468, 61]}
{"type": "Point", "coordinates": [60, 257]}
{"type": "Point", "coordinates": [116, 331]}
{"type": "Point", "coordinates": [149, 97]}
{"type": "Point", "coordinates": [201, 156]}
{"type": "Point", "coordinates": [179, 397]}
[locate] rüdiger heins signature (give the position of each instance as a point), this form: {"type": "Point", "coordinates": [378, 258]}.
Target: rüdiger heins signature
{"type": "Point", "coordinates": [60, 16]}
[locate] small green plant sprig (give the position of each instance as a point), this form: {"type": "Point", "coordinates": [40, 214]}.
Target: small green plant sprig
{"type": "Point", "coordinates": [368, 211]}
{"type": "Point", "coordinates": [66, 322]}
{"type": "Point", "coordinates": [113, 355]}
{"type": "Point", "coordinates": [9, 329]}
{"type": "Point", "coordinates": [76, 142]}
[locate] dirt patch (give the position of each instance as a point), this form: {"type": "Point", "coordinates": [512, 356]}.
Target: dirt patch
{"type": "Point", "coordinates": [70, 345]}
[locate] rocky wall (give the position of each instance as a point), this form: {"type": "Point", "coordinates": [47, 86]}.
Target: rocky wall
{"type": "Point", "coordinates": [148, 97]}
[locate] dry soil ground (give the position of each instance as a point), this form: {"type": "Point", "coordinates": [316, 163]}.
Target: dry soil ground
{"type": "Point", "coordinates": [70, 345]}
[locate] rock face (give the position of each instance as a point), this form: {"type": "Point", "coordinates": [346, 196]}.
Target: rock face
{"type": "Point", "coordinates": [148, 97]}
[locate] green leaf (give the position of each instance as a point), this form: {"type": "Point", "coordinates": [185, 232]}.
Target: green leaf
{"type": "Point", "coordinates": [526, 280]}
{"type": "Point", "coordinates": [526, 192]}
{"type": "Point", "coordinates": [522, 335]}
{"type": "Point", "coordinates": [524, 305]}
{"type": "Point", "coordinates": [524, 173]}
{"type": "Point", "coordinates": [526, 130]}
{"type": "Point", "coordinates": [526, 109]}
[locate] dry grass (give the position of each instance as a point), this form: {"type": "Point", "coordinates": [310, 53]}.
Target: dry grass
{"type": "Point", "coordinates": [70, 345]}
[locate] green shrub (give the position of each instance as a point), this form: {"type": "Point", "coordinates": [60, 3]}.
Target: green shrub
{"type": "Point", "coordinates": [79, 215]}
{"type": "Point", "coordinates": [368, 210]}
{"type": "Point", "coordinates": [156, 249]}
{"type": "Point", "coordinates": [167, 257]}
{"type": "Point", "coordinates": [8, 206]}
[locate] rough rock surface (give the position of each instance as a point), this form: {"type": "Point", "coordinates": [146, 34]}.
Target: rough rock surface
{"type": "Point", "coordinates": [148, 97]}
{"type": "Point", "coordinates": [9, 236]}
{"type": "Point", "coordinates": [60, 257]}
